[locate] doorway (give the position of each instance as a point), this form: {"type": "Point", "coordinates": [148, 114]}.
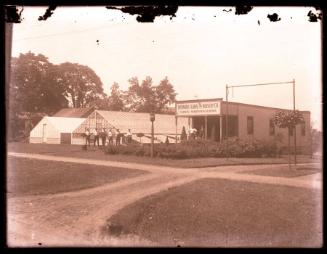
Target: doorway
{"type": "Point", "coordinates": [213, 128]}
{"type": "Point", "coordinates": [65, 138]}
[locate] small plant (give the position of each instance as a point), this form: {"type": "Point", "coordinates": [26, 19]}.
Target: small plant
{"type": "Point", "coordinates": [111, 149]}
{"type": "Point", "coordinates": [183, 135]}
{"type": "Point", "coordinates": [140, 135]}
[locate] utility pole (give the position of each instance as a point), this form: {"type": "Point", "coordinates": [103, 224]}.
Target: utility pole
{"type": "Point", "coordinates": [226, 123]}
{"type": "Point", "coordinates": [152, 118]}
{"type": "Point", "coordinates": [152, 139]}
{"type": "Point", "coordinates": [262, 84]}
{"type": "Point", "coordinates": [294, 125]}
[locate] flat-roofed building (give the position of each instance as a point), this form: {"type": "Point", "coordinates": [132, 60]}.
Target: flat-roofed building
{"type": "Point", "coordinates": [245, 121]}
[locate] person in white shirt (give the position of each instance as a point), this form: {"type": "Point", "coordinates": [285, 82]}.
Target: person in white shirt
{"type": "Point", "coordinates": [129, 136]}
{"type": "Point", "coordinates": [96, 137]}
{"type": "Point", "coordinates": [87, 137]}
{"type": "Point", "coordinates": [103, 135]}
{"type": "Point", "coordinates": [118, 137]}
{"type": "Point", "coordinates": [192, 133]}
{"type": "Point", "coordinates": [110, 137]}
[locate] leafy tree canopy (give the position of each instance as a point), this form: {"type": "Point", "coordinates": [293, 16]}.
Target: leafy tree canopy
{"type": "Point", "coordinates": [40, 86]}
{"type": "Point", "coordinates": [34, 87]}
{"type": "Point", "coordinates": [116, 100]}
{"type": "Point", "coordinates": [288, 119]}
{"type": "Point", "coordinates": [82, 85]}
{"type": "Point", "coordinates": [146, 97]}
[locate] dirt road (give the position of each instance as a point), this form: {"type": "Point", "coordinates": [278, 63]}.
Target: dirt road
{"type": "Point", "coordinates": [77, 218]}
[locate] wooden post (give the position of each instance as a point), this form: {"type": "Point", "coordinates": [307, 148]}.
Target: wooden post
{"type": "Point", "coordinates": [221, 128]}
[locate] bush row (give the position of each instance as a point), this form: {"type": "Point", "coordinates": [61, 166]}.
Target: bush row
{"type": "Point", "coordinates": [200, 148]}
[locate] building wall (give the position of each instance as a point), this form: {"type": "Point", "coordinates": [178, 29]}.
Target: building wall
{"type": "Point", "coordinates": [35, 140]}
{"type": "Point", "coordinates": [53, 140]}
{"type": "Point", "coordinates": [261, 117]}
{"type": "Point", "coordinates": [51, 133]}
{"type": "Point", "coordinates": [78, 141]}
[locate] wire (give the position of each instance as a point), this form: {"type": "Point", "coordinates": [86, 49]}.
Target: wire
{"type": "Point", "coordinates": [263, 84]}
{"type": "Point", "coordinates": [69, 32]}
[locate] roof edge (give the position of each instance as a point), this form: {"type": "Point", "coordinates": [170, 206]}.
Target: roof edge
{"type": "Point", "coordinates": [198, 100]}
{"type": "Point", "coordinates": [259, 106]}
{"type": "Point", "coordinates": [131, 112]}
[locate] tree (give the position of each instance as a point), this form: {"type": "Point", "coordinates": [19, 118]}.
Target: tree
{"type": "Point", "coordinates": [133, 96]}
{"type": "Point", "coordinates": [115, 99]}
{"type": "Point", "coordinates": [165, 94]}
{"type": "Point", "coordinates": [82, 85]}
{"type": "Point", "coordinates": [33, 91]}
{"type": "Point", "coordinates": [289, 120]}
{"type": "Point", "coordinates": [146, 97]}
{"type": "Point", "coordinates": [34, 87]}
{"type": "Point", "coordinates": [140, 97]}
{"type": "Point", "coordinates": [100, 103]}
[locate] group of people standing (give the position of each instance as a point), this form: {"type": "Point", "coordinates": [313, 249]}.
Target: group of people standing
{"type": "Point", "coordinates": [107, 136]}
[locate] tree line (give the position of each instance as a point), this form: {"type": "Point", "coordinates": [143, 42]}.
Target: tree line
{"type": "Point", "coordinates": [39, 87]}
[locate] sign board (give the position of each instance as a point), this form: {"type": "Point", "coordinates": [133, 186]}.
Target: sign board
{"type": "Point", "coordinates": [198, 108]}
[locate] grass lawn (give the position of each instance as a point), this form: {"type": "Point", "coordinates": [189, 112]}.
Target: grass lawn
{"type": "Point", "coordinates": [220, 213]}
{"type": "Point", "coordinates": [95, 153]}
{"type": "Point", "coordinates": [32, 177]}
{"type": "Point", "coordinates": [284, 171]}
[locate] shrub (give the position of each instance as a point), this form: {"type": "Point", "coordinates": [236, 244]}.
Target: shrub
{"type": "Point", "coordinates": [183, 135]}
{"type": "Point", "coordinates": [139, 151]}
{"type": "Point", "coordinates": [111, 149]}
{"type": "Point", "coordinates": [201, 148]}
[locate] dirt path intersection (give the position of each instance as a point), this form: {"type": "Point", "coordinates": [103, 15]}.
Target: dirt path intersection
{"type": "Point", "coordinates": [77, 218]}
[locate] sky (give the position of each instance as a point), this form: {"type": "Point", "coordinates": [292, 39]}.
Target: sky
{"type": "Point", "coordinates": [201, 50]}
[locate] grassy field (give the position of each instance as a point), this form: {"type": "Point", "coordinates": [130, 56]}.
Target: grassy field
{"type": "Point", "coordinates": [32, 177]}
{"type": "Point", "coordinates": [214, 212]}
{"type": "Point", "coordinates": [97, 153]}
{"type": "Point", "coordinates": [284, 171]}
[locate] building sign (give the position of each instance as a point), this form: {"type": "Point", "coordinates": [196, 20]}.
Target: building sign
{"type": "Point", "coordinates": [198, 108]}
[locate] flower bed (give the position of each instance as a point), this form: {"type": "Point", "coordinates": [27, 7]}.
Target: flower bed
{"type": "Point", "coordinates": [200, 148]}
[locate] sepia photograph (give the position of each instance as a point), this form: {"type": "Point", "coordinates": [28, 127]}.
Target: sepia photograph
{"type": "Point", "coordinates": [164, 126]}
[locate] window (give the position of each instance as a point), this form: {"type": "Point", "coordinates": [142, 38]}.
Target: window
{"type": "Point", "coordinates": [250, 126]}
{"type": "Point", "coordinates": [271, 127]}
{"type": "Point", "coordinates": [291, 131]}
{"type": "Point", "coordinates": [303, 129]}
{"type": "Point", "coordinates": [232, 126]}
